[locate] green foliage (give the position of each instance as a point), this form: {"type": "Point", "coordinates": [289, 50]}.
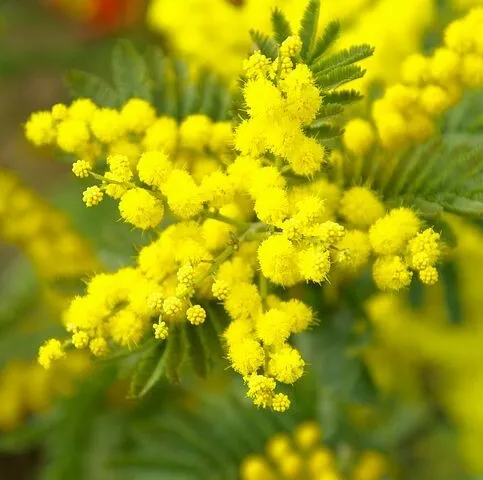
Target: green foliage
{"type": "Point", "coordinates": [342, 58]}
{"type": "Point", "coordinates": [328, 38]}
{"type": "Point", "coordinates": [163, 80]}
{"type": "Point", "coordinates": [308, 28]}
{"type": "Point", "coordinates": [280, 25]}
{"type": "Point", "coordinates": [265, 44]}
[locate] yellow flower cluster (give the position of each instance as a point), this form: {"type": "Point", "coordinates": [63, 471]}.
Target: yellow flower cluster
{"type": "Point", "coordinates": [303, 456]}
{"type": "Point", "coordinates": [395, 238]}
{"type": "Point", "coordinates": [88, 131]}
{"type": "Point", "coordinates": [41, 232]}
{"type": "Point", "coordinates": [430, 85]}
{"type": "Point", "coordinates": [26, 387]}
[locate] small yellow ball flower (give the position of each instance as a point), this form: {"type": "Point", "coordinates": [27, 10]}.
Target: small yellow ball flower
{"type": "Point", "coordinates": [358, 136]}
{"type": "Point", "coordinates": [195, 132]}
{"type": "Point", "coordinates": [391, 273]}
{"type": "Point", "coordinates": [246, 356]}
{"type": "Point", "coordinates": [154, 168]}
{"type": "Point", "coordinates": [280, 402]}
{"type": "Point", "coordinates": [81, 168]}
{"type": "Point", "coordinates": [286, 364]}
{"type": "Point", "coordinates": [72, 135]}
{"type": "Point", "coordinates": [49, 351]}
{"type": "Point", "coordinates": [273, 327]}
{"type": "Point", "coordinates": [137, 115]}
{"type": "Point", "coordinates": [82, 109]}
{"type": "Point", "coordinates": [40, 129]}
{"type": "Point", "coordinates": [429, 275]}
{"type": "Point", "coordinates": [291, 46]}
{"type": "Point", "coordinates": [155, 302]}
{"type": "Point", "coordinates": [277, 257]}
{"type": "Point", "coordinates": [220, 290]}
{"type": "Point", "coordinates": [196, 315]}
{"type": "Point", "coordinates": [92, 196]}
{"type": "Point", "coordinates": [172, 306]}
{"type": "Point", "coordinates": [161, 330]}
{"type": "Point", "coordinates": [307, 435]}
{"type": "Point", "coordinates": [59, 111]}
{"type": "Point", "coordinates": [80, 339]}
{"type": "Point", "coordinates": [255, 467]}
{"type": "Point", "coordinates": [361, 207]}
{"type": "Point", "coordinates": [98, 346]}
{"type": "Point", "coordinates": [141, 208]}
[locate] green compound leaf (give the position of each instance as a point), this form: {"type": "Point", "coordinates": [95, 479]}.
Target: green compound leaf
{"type": "Point", "coordinates": [195, 350]}
{"type": "Point", "coordinates": [308, 27]}
{"type": "Point", "coordinates": [343, 58]}
{"type": "Point", "coordinates": [85, 85]}
{"type": "Point", "coordinates": [343, 97]}
{"type": "Point", "coordinates": [130, 73]}
{"type": "Point", "coordinates": [174, 354]}
{"type": "Point", "coordinates": [280, 25]}
{"type": "Point", "coordinates": [328, 38]}
{"type": "Point", "coordinates": [149, 371]}
{"type": "Point", "coordinates": [267, 45]}
{"type": "Point", "coordinates": [339, 76]}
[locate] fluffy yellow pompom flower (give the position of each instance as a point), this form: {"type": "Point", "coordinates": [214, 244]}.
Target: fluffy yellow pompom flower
{"type": "Point", "coordinates": [371, 466]}
{"type": "Point", "coordinates": [263, 99]}
{"type": "Point", "coordinates": [183, 195]}
{"type": "Point", "coordinates": [196, 315]}
{"type": "Point", "coordinates": [162, 135]}
{"type": "Point", "coordinates": [354, 250]}
{"type": "Point", "coordinates": [300, 314]}
{"type": "Point", "coordinates": [154, 168]}
{"type": "Point", "coordinates": [314, 263]}
{"type": "Point", "coordinates": [195, 131]}
{"type": "Point", "coordinates": [218, 189]}
{"type": "Point", "coordinates": [246, 356]}
{"type": "Point", "coordinates": [255, 467]}
{"type": "Point", "coordinates": [391, 273]}
{"type": "Point", "coordinates": [80, 339]}
{"type": "Point", "coordinates": [277, 257]}
{"type": "Point", "coordinates": [361, 207]}
{"type": "Point", "coordinates": [72, 135]}
{"type": "Point", "coordinates": [92, 196]}
{"type": "Point", "coordinates": [273, 327]}
{"type": "Point", "coordinates": [429, 275]}
{"type": "Point", "coordinates": [307, 435]}
{"type": "Point", "coordinates": [391, 233]}
{"type": "Point", "coordinates": [137, 115]}
{"type": "Point", "coordinates": [40, 129]}
{"type": "Point", "coordinates": [358, 136]}
{"type": "Point", "coordinates": [49, 351]}
{"type": "Point", "coordinates": [271, 206]}
{"type": "Point", "coordinates": [243, 302]}
{"type": "Point", "coordinates": [286, 364]}
{"type": "Point", "coordinates": [141, 208]}
{"type": "Point", "coordinates": [306, 156]}
{"type": "Point", "coordinates": [106, 125]}
{"type": "Point", "coordinates": [81, 109]}
{"type": "Point", "coordinates": [260, 389]}
{"type": "Point", "coordinates": [81, 168]}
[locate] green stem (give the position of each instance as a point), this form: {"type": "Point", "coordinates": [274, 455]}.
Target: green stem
{"type": "Point", "coordinates": [231, 221]}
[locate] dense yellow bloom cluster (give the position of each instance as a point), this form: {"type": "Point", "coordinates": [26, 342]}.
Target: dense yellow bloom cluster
{"type": "Point", "coordinates": [26, 387]}
{"type": "Point", "coordinates": [303, 456]}
{"type": "Point", "coordinates": [430, 85]}
{"type": "Point", "coordinates": [41, 232]}
{"type": "Point", "coordinates": [88, 131]}
{"type": "Point", "coordinates": [242, 221]}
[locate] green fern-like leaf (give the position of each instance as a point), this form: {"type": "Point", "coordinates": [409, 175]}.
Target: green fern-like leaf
{"type": "Point", "coordinates": [343, 97]}
{"type": "Point", "coordinates": [308, 27]}
{"type": "Point", "coordinates": [267, 45]}
{"type": "Point", "coordinates": [280, 25]}
{"type": "Point", "coordinates": [343, 58]}
{"type": "Point", "coordinates": [149, 371]}
{"type": "Point", "coordinates": [339, 76]}
{"type": "Point", "coordinates": [328, 38]}
{"type": "Point", "coordinates": [82, 84]}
